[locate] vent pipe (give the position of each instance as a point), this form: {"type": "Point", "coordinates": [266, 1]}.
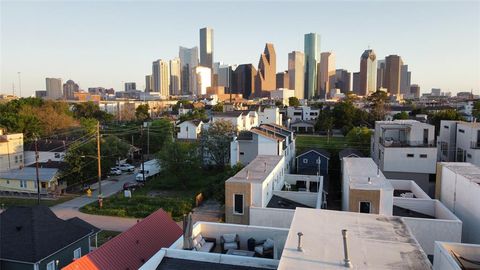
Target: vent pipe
{"type": "Point", "coordinates": [299, 247]}
{"type": "Point", "coordinates": [369, 180]}
{"type": "Point", "coordinates": [346, 260]}
{"type": "Point", "coordinates": [248, 174]}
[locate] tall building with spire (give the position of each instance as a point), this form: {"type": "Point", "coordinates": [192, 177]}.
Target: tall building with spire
{"type": "Point", "coordinates": [312, 58]}
{"type": "Point", "coordinates": [393, 70]}
{"type": "Point", "coordinates": [206, 47]}
{"type": "Point", "coordinates": [326, 74]}
{"type": "Point", "coordinates": [188, 61]}
{"type": "Point", "coordinates": [296, 73]}
{"type": "Point", "coordinates": [267, 70]}
{"type": "Point", "coordinates": [368, 73]}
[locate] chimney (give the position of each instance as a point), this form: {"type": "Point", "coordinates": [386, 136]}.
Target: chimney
{"type": "Point", "coordinates": [346, 260]}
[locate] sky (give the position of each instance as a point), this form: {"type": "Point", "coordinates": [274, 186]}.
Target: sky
{"type": "Point", "coordinates": [107, 43]}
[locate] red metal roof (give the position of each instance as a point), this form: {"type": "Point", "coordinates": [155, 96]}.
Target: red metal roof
{"type": "Point", "coordinates": [132, 248]}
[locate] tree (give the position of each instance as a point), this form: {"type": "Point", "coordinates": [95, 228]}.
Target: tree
{"type": "Point", "coordinates": [293, 101]}
{"type": "Point", "coordinates": [91, 110]}
{"type": "Point", "coordinates": [199, 114]}
{"type": "Point", "coordinates": [142, 112]}
{"type": "Point", "coordinates": [359, 137]}
{"type": "Point", "coordinates": [325, 121]}
{"type": "Point", "coordinates": [476, 110]}
{"type": "Point", "coordinates": [215, 142]}
{"type": "Point", "coordinates": [218, 107]}
{"type": "Point", "coordinates": [377, 105]}
{"type": "Point", "coordinates": [401, 116]}
{"type": "Point", "coordinates": [179, 159]}
{"type": "Point", "coordinates": [449, 114]}
{"type": "Point", "coordinates": [279, 103]}
{"type": "Point", "coordinates": [161, 133]}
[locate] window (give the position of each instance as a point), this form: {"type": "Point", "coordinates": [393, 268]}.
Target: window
{"type": "Point", "coordinates": [16, 159]}
{"type": "Point", "coordinates": [461, 131]}
{"type": "Point", "coordinates": [446, 127]}
{"type": "Point", "coordinates": [423, 155]}
{"type": "Point", "coordinates": [238, 204]}
{"type": "Point", "coordinates": [444, 148]}
{"type": "Point", "coordinates": [365, 207]}
{"type": "Point", "coordinates": [318, 161]}
{"type": "Point", "coordinates": [242, 153]}
{"type": "Point", "coordinates": [77, 253]}
{"type": "Point", "coordinates": [51, 265]}
{"type": "Point", "coordinates": [410, 155]}
{"type": "Point", "coordinates": [305, 161]}
{"type": "Point", "coordinates": [469, 156]}
{"type": "Point", "coordinates": [20, 158]}
{"type": "Point", "coordinates": [23, 183]}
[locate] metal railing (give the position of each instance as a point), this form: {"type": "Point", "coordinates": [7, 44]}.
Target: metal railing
{"type": "Point", "coordinates": [404, 143]}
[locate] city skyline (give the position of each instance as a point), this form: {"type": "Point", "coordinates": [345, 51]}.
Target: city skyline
{"type": "Point", "coordinates": [118, 60]}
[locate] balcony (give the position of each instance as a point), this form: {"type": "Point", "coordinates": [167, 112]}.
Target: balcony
{"type": "Point", "coordinates": [391, 142]}
{"type": "Point", "coordinates": [475, 145]}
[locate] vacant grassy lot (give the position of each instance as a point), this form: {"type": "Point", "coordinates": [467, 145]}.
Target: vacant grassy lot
{"type": "Point", "coordinates": [304, 142]}
{"type": "Point", "coordinates": [165, 192]}
{"type": "Point", "coordinates": [7, 202]}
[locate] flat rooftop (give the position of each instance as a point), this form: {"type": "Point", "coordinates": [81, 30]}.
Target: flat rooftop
{"type": "Point", "coordinates": [257, 170]}
{"type": "Point", "coordinates": [363, 173]}
{"type": "Point", "coordinates": [468, 170]}
{"type": "Point", "coordinates": [374, 242]}
{"type": "Point", "coordinates": [182, 264]}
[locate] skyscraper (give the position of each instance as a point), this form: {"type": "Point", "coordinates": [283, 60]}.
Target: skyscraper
{"type": "Point", "coordinates": [203, 80]}
{"type": "Point", "coordinates": [225, 77]}
{"type": "Point", "coordinates": [129, 86]}
{"type": "Point", "coordinates": [148, 83]}
{"type": "Point", "coordinates": [356, 82]}
{"type": "Point", "coordinates": [296, 73]}
{"type": "Point", "coordinates": [342, 80]}
{"type": "Point", "coordinates": [282, 79]}
{"type": "Point", "coordinates": [368, 73]}
{"type": "Point", "coordinates": [244, 80]}
{"type": "Point", "coordinates": [381, 74]}
{"type": "Point", "coordinates": [69, 88]}
{"type": "Point", "coordinates": [326, 75]}
{"type": "Point", "coordinates": [267, 70]}
{"type": "Point", "coordinates": [188, 61]}
{"type": "Point", "coordinates": [206, 47]}
{"type": "Point", "coordinates": [161, 77]}
{"type": "Point", "coordinates": [54, 88]}
{"type": "Point", "coordinates": [175, 75]}
{"type": "Point", "coordinates": [312, 58]}
{"type": "Point", "coordinates": [415, 90]}
{"type": "Point", "coordinates": [393, 73]}
{"type": "Point", "coordinates": [405, 77]}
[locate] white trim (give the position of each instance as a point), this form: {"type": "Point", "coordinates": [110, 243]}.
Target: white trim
{"type": "Point", "coordinates": [49, 265]}
{"type": "Point", "coordinates": [243, 204]}
{"type": "Point", "coordinates": [80, 251]}
{"type": "Point", "coordinates": [315, 152]}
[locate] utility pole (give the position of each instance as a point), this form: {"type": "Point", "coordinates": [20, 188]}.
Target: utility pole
{"type": "Point", "coordinates": [99, 164]}
{"type": "Point", "coordinates": [143, 159]}
{"type": "Point", "coordinates": [20, 84]}
{"type": "Point", "coordinates": [36, 170]}
{"type": "Point", "coordinates": [148, 139]}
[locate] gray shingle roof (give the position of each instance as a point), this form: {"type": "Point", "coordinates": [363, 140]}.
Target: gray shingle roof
{"type": "Point", "coordinates": [29, 174]}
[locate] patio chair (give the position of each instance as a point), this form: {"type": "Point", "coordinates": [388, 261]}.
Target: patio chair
{"type": "Point", "coordinates": [229, 241]}
{"type": "Point", "coordinates": [204, 244]}
{"type": "Point", "coordinates": [265, 248]}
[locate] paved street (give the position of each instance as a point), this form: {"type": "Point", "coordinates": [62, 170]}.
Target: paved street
{"type": "Point", "coordinates": [71, 208]}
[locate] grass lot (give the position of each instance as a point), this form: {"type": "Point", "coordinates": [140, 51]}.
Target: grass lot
{"type": "Point", "coordinates": [7, 202]}
{"type": "Point", "coordinates": [304, 142]}
{"type": "Point", "coordinates": [164, 192]}
{"type": "Point", "coordinates": [105, 236]}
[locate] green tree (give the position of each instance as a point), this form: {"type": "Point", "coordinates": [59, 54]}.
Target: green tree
{"type": "Point", "coordinates": [378, 105]}
{"type": "Point", "coordinates": [215, 142]}
{"type": "Point", "coordinates": [476, 110]}
{"type": "Point", "coordinates": [91, 110]}
{"type": "Point", "coordinates": [401, 116]}
{"type": "Point", "coordinates": [218, 107]}
{"type": "Point", "coordinates": [161, 133]}
{"type": "Point", "coordinates": [279, 104]}
{"type": "Point", "coordinates": [359, 138]}
{"type": "Point", "coordinates": [199, 114]}
{"type": "Point", "coordinates": [325, 121]}
{"type": "Point", "coordinates": [293, 101]}
{"type": "Point", "coordinates": [142, 112]}
{"type": "Point", "coordinates": [180, 159]}
{"type": "Point", "coordinates": [449, 114]}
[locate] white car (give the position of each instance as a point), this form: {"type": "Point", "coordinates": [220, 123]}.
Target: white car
{"type": "Point", "coordinates": [115, 171]}
{"type": "Point", "coordinates": [126, 167]}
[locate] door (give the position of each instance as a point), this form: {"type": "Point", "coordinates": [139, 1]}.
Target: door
{"type": "Point", "coordinates": [425, 136]}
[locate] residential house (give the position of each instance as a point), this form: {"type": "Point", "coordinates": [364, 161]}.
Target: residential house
{"type": "Point", "coordinates": [34, 238]}
{"type": "Point", "coordinates": [132, 248]}
{"type": "Point", "coordinates": [304, 113]}
{"type": "Point", "coordinates": [458, 188]}
{"type": "Point", "coordinates": [189, 130]}
{"type": "Point", "coordinates": [241, 120]}
{"type": "Point", "coordinates": [314, 162]}
{"type": "Point", "coordinates": [405, 149]}
{"type": "Point", "coordinates": [24, 180]}
{"type": "Point", "coordinates": [48, 150]}
{"type": "Point", "coordinates": [270, 115]}
{"type": "Point", "coordinates": [459, 141]}
{"type": "Point", "coordinates": [349, 152]}
{"type": "Point", "coordinates": [266, 139]}
{"type": "Point", "coordinates": [303, 126]}
{"type": "Point", "coordinates": [11, 151]}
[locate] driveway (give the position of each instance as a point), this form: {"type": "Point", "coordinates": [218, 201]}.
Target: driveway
{"type": "Point", "coordinates": [71, 208]}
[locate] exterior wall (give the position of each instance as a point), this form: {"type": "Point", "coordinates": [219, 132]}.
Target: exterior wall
{"type": "Point", "coordinates": [248, 150]}
{"type": "Point", "coordinates": [232, 188]}
{"type": "Point", "coordinates": [421, 179]}
{"type": "Point", "coordinates": [271, 217]}
{"type": "Point", "coordinates": [465, 140]}
{"type": "Point", "coordinates": [462, 196]}
{"type": "Point", "coordinates": [188, 130]}
{"type": "Point", "coordinates": [357, 195]}
{"type": "Point", "coordinates": [270, 115]}
{"type": "Point", "coordinates": [274, 182]}
{"type": "Point", "coordinates": [307, 198]}
{"type": "Point", "coordinates": [267, 146]}
{"type": "Point", "coordinates": [11, 151]}
{"type": "Point", "coordinates": [311, 167]}
{"type": "Point", "coordinates": [392, 156]}
{"type": "Point", "coordinates": [447, 137]}
{"type": "Point", "coordinates": [65, 256]}
{"type": "Point", "coordinates": [411, 186]}
{"type": "Point", "coordinates": [14, 185]}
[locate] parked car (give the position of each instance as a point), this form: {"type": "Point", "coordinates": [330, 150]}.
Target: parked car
{"type": "Point", "coordinates": [126, 167]}
{"type": "Point", "coordinates": [115, 171]}
{"type": "Point", "coordinates": [131, 185]}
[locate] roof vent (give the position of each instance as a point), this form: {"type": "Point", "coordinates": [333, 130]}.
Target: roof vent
{"type": "Point", "coordinates": [369, 180]}
{"type": "Point", "coordinates": [346, 260]}
{"type": "Point", "coordinates": [265, 163]}
{"type": "Point", "coordinates": [248, 174]}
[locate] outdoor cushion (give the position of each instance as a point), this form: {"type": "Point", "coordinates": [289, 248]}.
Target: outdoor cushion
{"type": "Point", "coordinates": [268, 244]}
{"type": "Point", "coordinates": [198, 238]}
{"type": "Point", "coordinates": [207, 247]}
{"type": "Point", "coordinates": [229, 237]}
{"type": "Point", "coordinates": [259, 249]}
{"type": "Point", "coordinates": [203, 242]}
{"type": "Point", "coordinates": [195, 242]}
{"type": "Point", "coordinates": [231, 245]}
